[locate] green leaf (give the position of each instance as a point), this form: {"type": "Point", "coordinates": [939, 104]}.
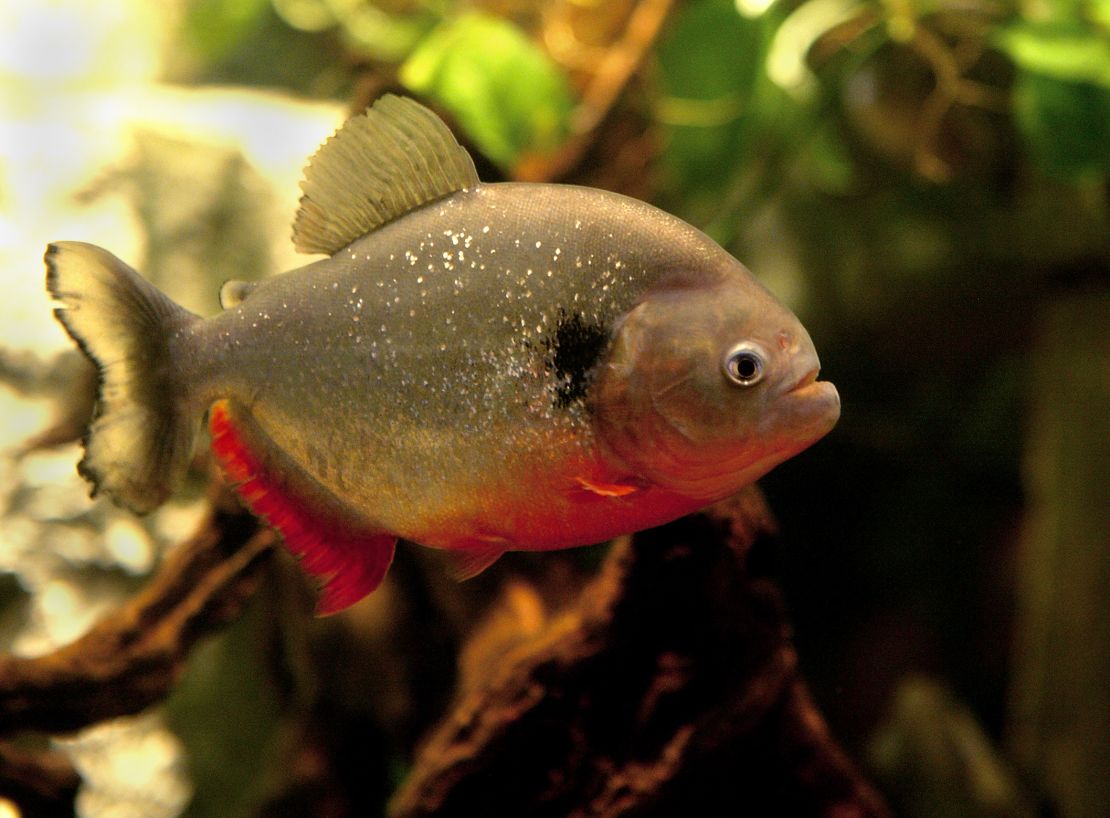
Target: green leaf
{"type": "Point", "coordinates": [709, 66]}
{"type": "Point", "coordinates": [825, 160]}
{"type": "Point", "coordinates": [1064, 50]}
{"type": "Point", "coordinates": [506, 93]}
{"type": "Point", "coordinates": [712, 52]}
{"type": "Point", "coordinates": [1066, 125]}
{"type": "Point", "coordinates": [215, 27]}
{"type": "Point", "coordinates": [227, 712]}
{"type": "Point", "coordinates": [1062, 94]}
{"type": "Point", "coordinates": [1099, 12]}
{"type": "Point", "coordinates": [385, 36]}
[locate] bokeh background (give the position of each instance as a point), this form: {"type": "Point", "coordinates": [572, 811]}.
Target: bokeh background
{"type": "Point", "coordinates": [926, 184]}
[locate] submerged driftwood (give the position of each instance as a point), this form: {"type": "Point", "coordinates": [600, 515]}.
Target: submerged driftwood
{"type": "Point", "coordinates": [129, 660]}
{"type": "Point", "coordinates": [669, 686]}
{"type": "Point", "coordinates": [132, 658]}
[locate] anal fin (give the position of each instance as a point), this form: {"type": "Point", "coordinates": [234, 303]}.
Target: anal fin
{"type": "Point", "coordinates": [348, 557]}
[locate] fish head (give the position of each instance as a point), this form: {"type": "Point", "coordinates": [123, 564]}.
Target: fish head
{"type": "Point", "coordinates": [708, 385]}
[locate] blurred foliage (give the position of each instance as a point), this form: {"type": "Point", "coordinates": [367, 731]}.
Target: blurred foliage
{"type": "Point", "coordinates": [507, 95]}
{"type": "Point", "coordinates": [932, 753]}
{"type": "Point", "coordinates": [230, 722]}
{"type": "Point", "coordinates": [710, 68]}
{"type": "Point", "coordinates": [217, 26]}
{"type": "Point", "coordinates": [1062, 93]}
{"type": "Point", "coordinates": [734, 78]}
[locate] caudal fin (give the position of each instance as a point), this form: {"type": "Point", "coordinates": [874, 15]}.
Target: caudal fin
{"type": "Point", "coordinates": [140, 441]}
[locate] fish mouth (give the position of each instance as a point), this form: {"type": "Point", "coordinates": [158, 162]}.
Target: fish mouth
{"type": "Point", "coordinates": [819, 397]}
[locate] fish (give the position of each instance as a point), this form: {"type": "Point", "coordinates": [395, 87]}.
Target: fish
{"type": "Point", "coordinates": [476, 367]}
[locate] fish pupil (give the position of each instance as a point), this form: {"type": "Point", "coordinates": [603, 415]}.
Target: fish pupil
{"type": "Point", "coordinates": [746, 367]}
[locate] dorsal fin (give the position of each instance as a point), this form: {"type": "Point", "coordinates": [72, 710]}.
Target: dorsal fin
{"type": "Point", "coordinates": [388, 160]}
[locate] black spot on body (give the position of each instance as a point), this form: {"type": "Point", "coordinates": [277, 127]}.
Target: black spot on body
{"type": "Point", "coordinates": [572, 351]}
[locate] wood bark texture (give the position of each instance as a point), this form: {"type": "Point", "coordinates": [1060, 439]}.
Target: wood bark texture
{"type": "Point", "coordinates": [670, 688]}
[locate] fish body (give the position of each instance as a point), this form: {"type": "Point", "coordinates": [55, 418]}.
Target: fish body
{"type": "Point", "coordinates": [458, 342]}
{"type": "Point", "coordinates": [479, 367]}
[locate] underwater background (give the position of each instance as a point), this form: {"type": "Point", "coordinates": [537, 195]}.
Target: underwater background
{"type": "Point", "coordinates": [926, 184]}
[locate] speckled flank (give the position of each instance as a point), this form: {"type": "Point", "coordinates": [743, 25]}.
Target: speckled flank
{"type": "Point", "coordinates": [438, 331]}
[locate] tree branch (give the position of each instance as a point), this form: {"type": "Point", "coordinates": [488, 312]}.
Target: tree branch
{"type": "Point", "coordinates": [132, 658]}
{"type": "Point", "coordinates": [614, 70]}
{"type": "Point", "coordinates": [43, 785]}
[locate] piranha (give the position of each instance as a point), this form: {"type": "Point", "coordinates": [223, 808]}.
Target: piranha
{"type": "Point", "coordinates": [475, 367]}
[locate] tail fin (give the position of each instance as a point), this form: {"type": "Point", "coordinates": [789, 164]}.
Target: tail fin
{"type": "Point", "coordinates": [140, 441]}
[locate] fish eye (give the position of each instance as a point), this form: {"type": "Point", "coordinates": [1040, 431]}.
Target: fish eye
{"type": "Point", "coordinates": [743, 364]}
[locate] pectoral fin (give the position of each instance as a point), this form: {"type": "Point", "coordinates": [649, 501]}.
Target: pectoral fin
{"type": "Point", "coordinates": [608, 489]}
{"type": "Point", "coordinates": [334, 545]}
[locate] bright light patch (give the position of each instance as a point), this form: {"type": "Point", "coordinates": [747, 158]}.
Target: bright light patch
{"type": "Point", "coordinates": [753, 8]}
{"type": "Point", "coordinates": [32, 29]}
{"type": "Point", "coordinates": [131, 766]}
{"type": "Point", "coordinates": [8, 809]}
{"type": "Point", "coordinates": [65, 611]}
{"type": "Point", "coordinates": [178, 516]}
{"type": "Point", "coordinates": [73, 42]}
{"type": "Point", "coordinates": [306, 15]}
{"type": "Point", "coordinates": [22, 416]}
{"type": "Point", "coordinates": [129, 545]}
{"type": "Point", "coordinates": [49, 468]}
{"type": "Point", "coordinates": [786, 59]}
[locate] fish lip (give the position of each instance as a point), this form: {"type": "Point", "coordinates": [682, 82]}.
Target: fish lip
{"type": "Point", "coordinates": [818, 396]}
{"type": "Point", "coordinates": [806, 380]}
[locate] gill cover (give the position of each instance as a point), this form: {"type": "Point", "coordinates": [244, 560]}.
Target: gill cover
{"type": "Point", "coordinates": [651, 364]}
